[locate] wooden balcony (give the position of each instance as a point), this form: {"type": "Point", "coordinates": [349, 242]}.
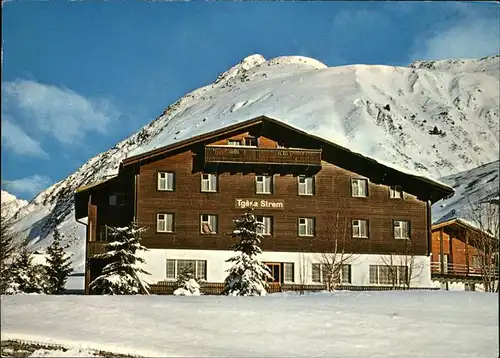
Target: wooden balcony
{"type": "Point", "coordinates": [252, 155]}
{"type": "Point", "coordinates": [96, 247]}
{"type": "Point", "coordinates": [459, 270]}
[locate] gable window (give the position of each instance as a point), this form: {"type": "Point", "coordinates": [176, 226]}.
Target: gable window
{"type": "Point", "coordinates": [306, 226]}
{"type": "Point", "coordinates": [250, 142]}
{"type": "Point", "coordinates": [208, 183]}
{"type": "Point", "coordinates": [165, 222]}
{"type": "Point", "coordinates": [208, 224]}
{"type": "Point", "coordinates": [263, 184]}
{"type": "Point", "coordinates": [233, 142]}
{"type": "Point", "coordinates": [267, 225]}
{"type": "Point", "coordinates": [401, 229]}
{"type": "Point", "coordinates": [395, 192]}
{"type": "Point", "coordinates": [288, 276]}
{"type": "Point", "coordinates": [175, 267]}
{"type": "Point", "coordinates": [306, 185]}
{"type": "Point", "coordinates": [165, 181]}
{"type": "Point", "coordinates": [360, 228]}
{"type": "Point", "coordinates": [359, 188]}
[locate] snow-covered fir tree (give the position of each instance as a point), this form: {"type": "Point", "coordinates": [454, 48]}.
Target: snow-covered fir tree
{"type": "Point", "coordinates": [58, 266]}
{"type": "Point", "coordinates": [247, 276]}
{"type": "Point", "coordinates": [186, 283]}
{"type": "Point", "coordinates": [121, 275]}
{"type": "Point", "coordinates": [27, 277]}
{"type": "Point", "coordinates": [7, 251]}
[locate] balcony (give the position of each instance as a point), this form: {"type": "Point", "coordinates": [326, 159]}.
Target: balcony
{"type": "Point", "coordinates": [456, 270]}
{"type": "Point", "coordinates": [252, 155]}
{"type": "Point", "coordinates": [96, 248]}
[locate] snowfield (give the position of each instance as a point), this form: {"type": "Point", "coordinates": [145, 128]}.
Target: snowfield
{"type": "Point", "coordinates": [341, 324]}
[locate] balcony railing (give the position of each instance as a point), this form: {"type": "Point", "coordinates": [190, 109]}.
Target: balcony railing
{"type": "Point", "coordinates": [96, 247]}
{"type": "Point", "coordinates": [460, 270]}
{"type": "Point", "coordinates": [250, 155]}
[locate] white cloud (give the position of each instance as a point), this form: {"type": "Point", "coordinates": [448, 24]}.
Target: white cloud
{"type": "Point", "coordinates": [470, 37]}
{"type": "Point", "coordinates": [29, 185]}
{"type": "Point", "coordinates": [59, 112]}
{"type": "Point", "coordinates": [17, 141]}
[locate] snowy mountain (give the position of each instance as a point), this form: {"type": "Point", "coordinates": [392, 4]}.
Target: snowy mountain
{"type": "Point", "coordinates": [478, 185]}
{"type": "Point", "coordinates": [10, 205]}
{"type": "Point", "coordinates": [434, 118]}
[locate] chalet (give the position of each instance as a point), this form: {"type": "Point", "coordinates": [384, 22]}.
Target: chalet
{"type": "Point", "coordinates": [462, 255]}
{"type": "Point", "coordinates": [311, 195]}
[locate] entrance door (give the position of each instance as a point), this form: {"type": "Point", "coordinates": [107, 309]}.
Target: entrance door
{"type": "Point", "coordinates": [275, 272]}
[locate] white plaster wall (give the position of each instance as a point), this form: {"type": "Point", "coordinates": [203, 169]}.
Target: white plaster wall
{"type": "Point", "coordinates": [456, 286]}
{"type": "Point", "coordinates": [216, 265]}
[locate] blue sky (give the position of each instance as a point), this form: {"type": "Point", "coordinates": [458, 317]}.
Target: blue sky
{"type": "Point", "coordinates": [80, 76]}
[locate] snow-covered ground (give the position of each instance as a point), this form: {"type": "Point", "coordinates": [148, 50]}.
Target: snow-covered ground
{"type": "Point", "coordinates": [342, 324]}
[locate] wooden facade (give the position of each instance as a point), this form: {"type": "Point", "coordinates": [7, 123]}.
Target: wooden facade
{"type": "Point", "coordinates": [454, 255]}
{"type": "Point", "coordinates": [235, 156]}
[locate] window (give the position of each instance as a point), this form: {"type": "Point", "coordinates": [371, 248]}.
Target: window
{"type": "Point", "coordinates": [280, 145]}
{"type": "Point", "coordinates": [320, 273]}
{"type": "Point", "coordinates": [233, 142]}
{"type": "Point", "coordinates": [288, 267]}
{"type": "Point", "coordinates": [360, 228]}
{"type": "Point", "coordinates": [346, 273]}
{"type": "Point", "coordinates": [401, 229]}
{"type": "Point", "coordinates": [250, 141]}
{"type": "Point", "coordinates": [316, 273]}
{"type": "Point", "coordinates": [174, 267]}
{"type": "Point", "coordinates": [165, 222]}
{"type": "Point", "coordinates": [263, 184]}
{"type": "Point", "coordinates": [208, 224]}
{"type": "Point", "coordinates": [306, 185]}
{"type": "Point", "coordinates": [165, 181]}
{"type": "Point", "coordinates": [395, 192]}
{"type": "Point", "coordinates": [388, 275]}
{"type": "Point", "coordinates": [267, 225]}
{"type": "Point", "coordinates": [306, 226]}
{"type": "Point", "coordinates": [359, 188]}
{"type": "Point", "coordinates": [117, 200]}
{"type": "Point", "coordinates": [208, 182]}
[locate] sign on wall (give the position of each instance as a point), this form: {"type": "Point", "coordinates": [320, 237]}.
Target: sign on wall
{"type": "Point", "coordinates": [274, 204]}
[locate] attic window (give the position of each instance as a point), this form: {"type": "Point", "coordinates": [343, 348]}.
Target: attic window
{"type": "Point", "coordinates": [233, 142]}
{"type": "Point", "coordinates": [250, 142]}
{"type": "Point", "coordinates": [395, 192]}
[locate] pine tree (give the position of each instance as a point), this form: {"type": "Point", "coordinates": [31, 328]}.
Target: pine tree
{"type": "Point", "coordinates": [58, 266]}
{"type": "Point", "coordinates": [27, 277]}
{"type": "Point", "coordinates": [247, 275]}
{"type": "Point", "coordinates": [7, 251]}
{"type": "Point", "coordinates": [121, 275]}
{"type": "Point", "coordinates": [186, 283]}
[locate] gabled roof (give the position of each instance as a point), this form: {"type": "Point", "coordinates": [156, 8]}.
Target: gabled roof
{"type": "Point", "coordinates": [465, 224]}
{"type": "Point", "coordinates": [439, 190]}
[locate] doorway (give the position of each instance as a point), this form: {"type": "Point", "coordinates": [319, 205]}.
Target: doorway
{"type": "Point", "coordinates": [275, 272]}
